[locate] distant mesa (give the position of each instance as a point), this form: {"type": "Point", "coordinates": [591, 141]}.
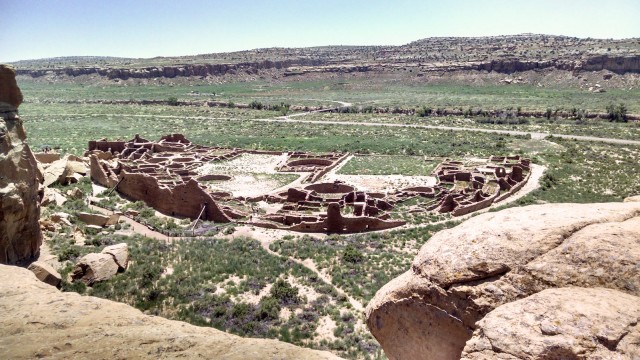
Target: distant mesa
{"type": "Point", "coordinates": [422, 58]}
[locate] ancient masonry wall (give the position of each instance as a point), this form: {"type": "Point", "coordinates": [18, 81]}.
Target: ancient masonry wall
{"type": "Point", "coordinates": [165, 176]}
{"type": "Point", "coordinates": [186, 199]}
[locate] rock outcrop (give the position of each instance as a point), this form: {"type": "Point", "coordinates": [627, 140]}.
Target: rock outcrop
{"type": "Point", "coordinates": [462, 274]}
{"type": "Point", "coordinates": [98, 219]}
{"type": "Point", "coordinates": [93, 268]}
{"type": "Point", "coordinates": [120, 253]}
{"type": "Point", "coordinates": [20, 179]}
{"type": "Point", "coordinates": [45, 273]}
{"type": "Point", "coordinates": [564, 323]}
{"type": "Point", "coordinates": [64, 171]}
{"type": "Point", "coordinates": [40, 321]}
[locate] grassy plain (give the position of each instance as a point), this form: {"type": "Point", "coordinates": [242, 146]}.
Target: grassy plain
{"type": "Point", "coordinates": [388, 165]}
{"type": "Point", "coordinates": [71, 133]}
{"type": "Point", "coordinates": [231, 284]}
{"type": "Point", "coordinates": [359, 91]}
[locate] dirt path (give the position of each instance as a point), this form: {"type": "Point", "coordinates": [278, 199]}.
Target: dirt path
{"type": "Point", "coordinates": [288, 119]}
{"type": "Point", "coordinates": [534, 135]}
{"type": "Point", "coordinates": [311, 265]}
{"type": "Point", "coordinates": [267, 236]}
{"type": "Point", "coordinates": [331, 173]}
{"type": "Point", "coordinates": [264, 236]}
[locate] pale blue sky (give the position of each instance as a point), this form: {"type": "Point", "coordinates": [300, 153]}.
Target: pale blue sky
{"type": "Point", "coordinates": [32, 29]}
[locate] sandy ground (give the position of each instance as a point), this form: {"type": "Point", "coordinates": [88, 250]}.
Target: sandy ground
{"type": "Point", "coordinates": [325, 329]}
{"type": "Point", "coordinates": [47, 257]}
{"type": "Point", "coordinates": [303, 290]}
{"type": "Point", "coordinates": [382, 183]}
{"type": "Point", "coordinates": [250, 174]}
{"type": "Point", "coordinates": [251, 298]}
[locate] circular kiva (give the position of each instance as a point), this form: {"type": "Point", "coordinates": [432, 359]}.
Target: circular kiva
{"type": "Point", "coordinates": [330, 188]}
{"type": "Point", "coordinates": [213, 177]}
{"type": "Point", "coordinates": [303, 162]}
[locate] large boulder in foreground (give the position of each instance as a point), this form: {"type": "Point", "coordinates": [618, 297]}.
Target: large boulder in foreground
{"type": "Point", "coordinates": [20, 179]}
{"type": "Point", "coordinates": [462, 274]}
{"type": "Point", "coordinates": [564, 323]}
{"type": "Point", "coordinates": [39, 321]}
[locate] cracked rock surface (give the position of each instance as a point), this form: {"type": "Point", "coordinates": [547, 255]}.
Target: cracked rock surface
{"type": "Point", "coordinates": [41, 322]}
{"type": "Point", "coordinates": [563, 323]}
{"type": "Point", "coordinates": [462, 274]}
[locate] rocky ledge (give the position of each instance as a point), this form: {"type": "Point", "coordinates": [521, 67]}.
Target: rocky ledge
{"type": "Point", "coordinates": [550, 281]}
{"type": "Point", "coordinates": [20, 180]}
{"type": "Point", "coordinates": [40, 321]}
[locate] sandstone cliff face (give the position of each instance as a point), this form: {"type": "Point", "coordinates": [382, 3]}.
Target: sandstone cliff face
{"type": "Point", "coordinates": [201, 70]}
{"type": "Point", "coordinates": [616, 64]}
{"type": "Point", "coordinates": [20, 180]}
{"type": "Point", "coordinates": [462, 274]}
{"type": "Point", "coordinates": [40, 321]}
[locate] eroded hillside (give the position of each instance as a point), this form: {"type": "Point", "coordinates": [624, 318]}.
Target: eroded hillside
{"type": "Point", "coordinates": [427, 57]}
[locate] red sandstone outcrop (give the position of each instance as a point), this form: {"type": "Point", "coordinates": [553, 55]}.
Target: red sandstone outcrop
{"type": "Point", "coordinates": [40, 321]}
{"type": "Point", "coordinates": [20, 190]}
{"type": "Point", "coordinates": [462, 274]}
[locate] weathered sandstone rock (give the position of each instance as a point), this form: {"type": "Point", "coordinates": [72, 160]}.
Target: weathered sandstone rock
{"type": "Point", "coordinates": [52, 196]}
{"type": "Point", "coordinates": [75, 193]}
{"type": "Point", "coordinates": [60, 218]}
{"type": "Point", "coordinates": [9, 91]}
{"type": "Point", "coordinates": [120, 253]}
{"type": "Point", "coordinates": [98, 219]}
{"type": "Point", "coordinates": [20, 179]}
{"type": "Point", "coordinates": [47, 157]}
{"type": "Point", "coordinates": [78, 237]}
{"type": "Point", "coordinates": [461, 274]}
{"type": "Point", "coordinates": [633, 199]}
{"type": "Point", "coordinates": [40, 321]}
{"type": "Point", "coordinates": [564, 323]}
{"type": "Point", "coordinates": [47, 225]}
{"type": "Point", "coordinates": [45, 273]}
{"type": "Point", "coordinates": [64, 171]}
{"type": "Point", "coordinates": [93, 268]}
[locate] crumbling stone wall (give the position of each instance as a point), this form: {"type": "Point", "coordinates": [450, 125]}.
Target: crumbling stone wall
{"type": "Point", "coordinates": [182, 200]}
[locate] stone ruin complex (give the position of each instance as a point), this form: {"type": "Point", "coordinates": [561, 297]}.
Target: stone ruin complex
{"type": "Point", "coordinates": [164, 174]}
